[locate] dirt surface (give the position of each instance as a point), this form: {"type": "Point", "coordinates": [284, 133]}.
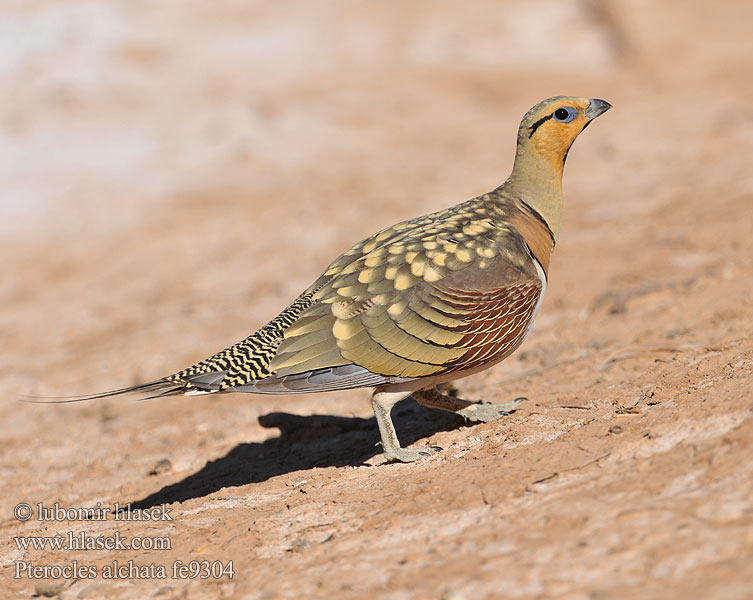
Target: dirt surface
{"type": "Point", "coordinates": [174, 173]}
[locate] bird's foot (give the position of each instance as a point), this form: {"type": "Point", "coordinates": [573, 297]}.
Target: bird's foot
{"type": "Point", "coordinates": [471, 411]}
{"type": "Point", "coordinates": [483, 413]}
{"type": "Point", "coordinates": [407, 455]}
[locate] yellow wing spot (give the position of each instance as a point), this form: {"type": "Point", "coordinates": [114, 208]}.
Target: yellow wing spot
{"type": "Point", "coordinates": [373, 259]}
{"type": "Point", "coordinates": [383, 235]}
{"type": "Point", "coordinates": [391, 271]}
{"type": "Point", "coordinates": [430, 245]}
{"type": "Point", "coordinates": [397, 308]}
{"type": "Point", "coordinates": [381, 299]}
{"type": "Point", "coordinates": [411, 256]}
{"type": "Point", "coordinates": [439, 258]}
{"type": "Point", "coordinates": [464, 254]}
{"type": "Point", "coordinates": [474, 229]}
{"type": "Point", "coordinates": [432, 274]}
{"type": "Point", "coordinates": [485, 252]}
{"type": "Point", "coordinates": [417, 265]}
{"type": "Point", "coordinates": [396, 249]}
{"type": "Point", "coordinates": [344, 329]}
{"type": "Point", "coordinates": [370, 275]}
{"type": "Point", "coordinates": [404, 279]}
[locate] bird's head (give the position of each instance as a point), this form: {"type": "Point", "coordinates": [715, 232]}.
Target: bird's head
{"type": "Point", "coordinates": [546, 133]}
{"type": "Point", "coordinates": [549, 128]}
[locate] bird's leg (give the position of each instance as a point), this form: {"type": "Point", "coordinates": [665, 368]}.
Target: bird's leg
{"type": "Point", "coordinates": [472, 411]}
{"type": "Point", "coordinates": [383, 403]}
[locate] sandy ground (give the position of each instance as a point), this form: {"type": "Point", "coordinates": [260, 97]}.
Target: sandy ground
{"type": "Point", "coordinates": [174, 173]}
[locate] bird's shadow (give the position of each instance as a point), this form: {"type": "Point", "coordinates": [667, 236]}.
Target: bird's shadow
{"type": "Point", "coordinates": [303, 443]}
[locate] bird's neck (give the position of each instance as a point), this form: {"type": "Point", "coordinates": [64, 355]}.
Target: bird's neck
{"type": "Point", "coordinates": [536, 179]}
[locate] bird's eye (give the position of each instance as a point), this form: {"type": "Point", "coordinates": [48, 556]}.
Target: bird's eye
{"type": "Point", "coordinates": [564, 114]}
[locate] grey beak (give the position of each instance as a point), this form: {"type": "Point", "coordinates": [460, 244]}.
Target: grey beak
{"type": "Point", "coordinates": [597, 107]}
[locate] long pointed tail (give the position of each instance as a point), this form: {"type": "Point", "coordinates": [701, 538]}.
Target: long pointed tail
{"type": "Point", "coordinates": [146, 391]}
{"type": "Point", "coordinates": [237, 365]}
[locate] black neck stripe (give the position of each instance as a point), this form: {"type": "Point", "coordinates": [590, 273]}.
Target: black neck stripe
{"type": "Point", "coordinates": [537, 214]}
{"type": "Point", "coordinates": [538, 124]}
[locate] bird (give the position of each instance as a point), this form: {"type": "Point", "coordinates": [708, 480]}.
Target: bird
{"type": "Point", "coordinates": [418, 304]}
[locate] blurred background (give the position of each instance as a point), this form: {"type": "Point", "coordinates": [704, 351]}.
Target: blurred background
{"type": "Point", "coordinates": [173, 173]}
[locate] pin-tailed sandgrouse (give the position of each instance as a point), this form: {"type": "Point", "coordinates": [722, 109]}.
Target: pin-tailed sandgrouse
{"type": "Point", "coordinates": [420, 303]}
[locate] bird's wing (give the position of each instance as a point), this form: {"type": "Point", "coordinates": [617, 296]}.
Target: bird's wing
{"type": "Point", "coordinates": [437, 300]}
